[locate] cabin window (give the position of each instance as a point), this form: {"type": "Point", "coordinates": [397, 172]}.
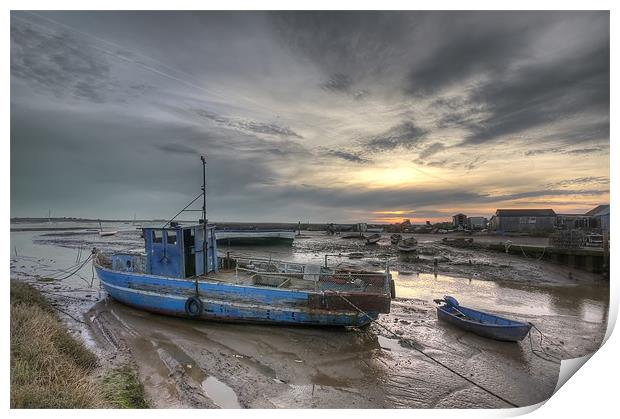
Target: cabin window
{"type": "Point", "coordinates": [172, 237]}
{"type": "Point", "coordinates": [532, 220]}
{"type": "Point", "coordinates": [157, 236]}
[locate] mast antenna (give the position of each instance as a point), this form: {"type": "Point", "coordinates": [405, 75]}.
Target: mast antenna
{"type": "Point", "coordinates": [204, 189]}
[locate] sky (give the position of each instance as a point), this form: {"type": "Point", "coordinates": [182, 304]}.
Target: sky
{"type": "Point", "coordinates": [310, 116]}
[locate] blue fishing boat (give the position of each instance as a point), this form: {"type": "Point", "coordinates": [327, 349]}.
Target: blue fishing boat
{"type": "Point", "coordinates": [481, 323]}
{"type": "Point", "coordinates": [180, 274]}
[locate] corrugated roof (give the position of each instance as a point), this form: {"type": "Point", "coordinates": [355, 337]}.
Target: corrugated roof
{"type": "Point", "coordinates": [596, 210]}
{"type": "Point", "coordinates": [525, 213]}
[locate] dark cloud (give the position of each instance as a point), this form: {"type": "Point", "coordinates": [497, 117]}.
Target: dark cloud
{"type": "Point", "coordinates": [580, 151]}
{"type": "Point", "coordinates": [430, 150]}
{"type": "Point", "coordinates": [58, 62]}
{"type": "Point", "coordinates": [432, 163]}
{"type": "Point", "coordinates": [564, 150]}
{"type": "Point", "coordinates": [345, 155]}
{"type": "Point", "coordinates": [342, 83]}
{"type": "Point", "coordinates": [338, 83]}
{"type": "Point", "coordinates": [436, 163]}
{"type": "Point", "coordinates": [547, 192]}
{"type": "Point", "coordinates": [586, 180]}
{"type": "Point", "coordinates": [457, 112]}
{"type": "Point", "coordinates": [178, 149]}
{"type": "Point", "coordinates": [583, 132]}
{"type": "Point", "coordinates": [538, 151]}
{"type": "Point", "coordinates": [356, 43]}
{"type": "Point", "coordinates": [248, 125]}
{"type": "Point", "coordinates": [405, 135]}
{"type": "Point", "coordinates": [470, 43]}
{"type": "Point", "coordinates": [543, 93]}
{"type": "Point", "coordinates": [474, 163]}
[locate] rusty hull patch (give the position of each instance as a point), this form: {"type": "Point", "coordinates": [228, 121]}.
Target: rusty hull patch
{"type": "Point", "coordinates": [366, 302]}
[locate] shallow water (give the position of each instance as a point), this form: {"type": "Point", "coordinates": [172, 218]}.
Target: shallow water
{"type": "Point", "coordinates": [588, 302]}
{"type": "Point", "coordinates": [221, 394]}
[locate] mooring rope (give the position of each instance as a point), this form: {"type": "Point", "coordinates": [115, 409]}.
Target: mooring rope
{"type": "Point", "coordinates": [60, 271]}
{"type": "Point", "coordinates": [413, 346]}
{"type": "Point", "coordinates": [71, 271]}
{"type": "Point", "coordinates": [80, 266]}
{"type": "Point", "coordinates": [550, 357]}
{"type": "Point", "coordinates": [64, 312]}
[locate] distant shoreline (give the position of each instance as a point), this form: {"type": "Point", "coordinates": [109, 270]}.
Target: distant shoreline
{"type": "Point", "coordinates": [230, 224]}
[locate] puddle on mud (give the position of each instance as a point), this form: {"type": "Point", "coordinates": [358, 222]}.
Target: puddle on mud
{"type": "Point", "coordinates": [221, 394]}
{"type": "Point", "coordinates": [390, 344]}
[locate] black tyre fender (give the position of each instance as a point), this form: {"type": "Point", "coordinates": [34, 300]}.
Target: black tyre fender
{"type": "Point", "coordinates": [392, 289]}
{"type": "Point", "coordinates": [193, 307]}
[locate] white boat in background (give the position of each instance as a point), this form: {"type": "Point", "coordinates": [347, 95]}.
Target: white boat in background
{"type": "Point", "coordinates": [374, 230]}
{"type": "Point", "coordinates": [352, 235]}
{"type": "Point", "coordinates": [105, 233]}
{"type": "Point", "coordinates": [357, 232]}
{"type": "Point", "coordinates": [254, 237]}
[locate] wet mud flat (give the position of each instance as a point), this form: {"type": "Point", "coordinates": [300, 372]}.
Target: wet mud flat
{"type": "Point", "coordinates": [185, 363]}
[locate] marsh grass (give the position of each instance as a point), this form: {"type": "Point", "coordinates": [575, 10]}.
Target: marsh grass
{"type": "Point", "coordinates": [121, 388]}
{"type": "Point", "coordinates": [51, 369]}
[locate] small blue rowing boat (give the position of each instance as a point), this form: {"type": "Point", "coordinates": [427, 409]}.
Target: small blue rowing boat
{"type": "Point", "coordinates": [480, 323]}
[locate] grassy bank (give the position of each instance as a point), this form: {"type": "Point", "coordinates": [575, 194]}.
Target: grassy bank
{"type": "Point", "coordinates": [50, 369]}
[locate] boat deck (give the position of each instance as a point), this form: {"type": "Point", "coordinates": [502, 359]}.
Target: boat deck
{"type": "Point", "coordinates": [272, 274]}
{"type": "Point", "coordinates": [348, 282]}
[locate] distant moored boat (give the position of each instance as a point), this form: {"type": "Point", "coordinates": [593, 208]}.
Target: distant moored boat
{"type": "Point", "coordinates": [103, 233]}
{"type": "Point", "coordinates": [107, 233]}
{"type": "Point", "coordinates": [409, 245]}
{"type": "Point", "coordinates": [254, 237]}
{"type": "Point", "coordinates": [395, 238]}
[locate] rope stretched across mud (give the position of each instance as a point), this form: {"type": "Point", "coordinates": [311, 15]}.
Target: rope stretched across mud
{"type": "Point", "coordinates": [412, 346]}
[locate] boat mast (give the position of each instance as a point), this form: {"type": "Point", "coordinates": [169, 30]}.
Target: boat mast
{"type": "Point", "coordinates": [204, 216]}
{"type": "Point", "coordinates": [204, 189]}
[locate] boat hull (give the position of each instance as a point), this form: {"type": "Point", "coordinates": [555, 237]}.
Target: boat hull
{"type": "Point", "coordinates": [356, 235]}
{"type": "Point", "coordinates": [231, 302]}
{"type": "Point", "coordinates": [254, 238]}
{"type": "Point", "coordinates": [513, 332]}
